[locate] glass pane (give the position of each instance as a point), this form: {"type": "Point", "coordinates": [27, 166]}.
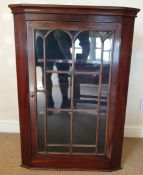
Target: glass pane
{"type": "Point", "coordinates": [42, 32]}
{"type": "Point", "coordinates": [83, 150]}
{"type": "Point", "coordinates": [58, 90]}
{"type": "Point", "coordinates": [104, 35]}
{"type": "Point", "coordinates": [58, 128]}
{"type": "Point", "coordinates": [98, 41]}
{"type": "Point", "coordinates": [40, 78]}
{"type": "Point", "coordinates": [86, 91]}
{"type": "Point", "coordinates": [107, 53]}
{"type": "Point", "coordinates": [39, 49]}
{"type": "Point", "coordinates": [88, 52]}
{"type": "Point", "coordinates": [40, 121]}
{"type": "Point", "coordinates": [74, 32]}
{"type": "Point", "coordinates": [101, 133]}
{"type": "Point", "coordinates": [58, 149]}
{"type": "Point", "coordinates": [103, 98]}
{"type": "Point", "coordinates": [104, 87]}
{"type": "Point", "coordinates": [57, 49]}
{"type": "Point", "coordinates": [84, 128]}
{"type": "Point", "coordinates": [107, 57]}
{"type": "Point", "coordinates": [98, 55]}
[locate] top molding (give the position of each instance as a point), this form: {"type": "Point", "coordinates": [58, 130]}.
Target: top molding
{"type": "Point", "coordinates": [72, 9]}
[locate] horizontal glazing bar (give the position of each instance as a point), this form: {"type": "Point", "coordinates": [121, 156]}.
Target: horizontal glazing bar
{"type": "Point", "coordinates": [68, 61]}
{"type": "Point", "coordinates": [49, 152]}
{"type": "Point", "coordinates": [92, 96]}
{"type": "Point", "coordinates": [70, 72]}
{"type": "Point", "coordinates": [74, 153]}
{"type": "Point", "coordinates": [58, 110]}
{"type": "Point", "coordinates": [58, 72]}
{"type": "Point", "coordinates": [88, 101]}
{"type": "Point", "coordinates": [85, 146]}
{"type": "Point", "coordinates": [58, 145]}
{"type": "Point", "coordinates": [73, 145]}
{"type": "Point", "coordinates": [54, 61]}
{"type": "Point", "coordinates": [42, 90]}
{"type": "Point", "coordinates": [87, 96]}
{"type": "Point", "coordinates": [86, 73]}
{"type": "Point", "coordinates": [72, 110]}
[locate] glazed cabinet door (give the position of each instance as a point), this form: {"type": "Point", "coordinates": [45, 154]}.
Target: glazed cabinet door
{"type": "Point", "coordinates": [73, 86]}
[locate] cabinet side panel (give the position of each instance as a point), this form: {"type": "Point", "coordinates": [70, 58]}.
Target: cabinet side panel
{"type": "Point", "coordinates": [123, 77]}
{"type": "Point", "coordinates": [23, 88]}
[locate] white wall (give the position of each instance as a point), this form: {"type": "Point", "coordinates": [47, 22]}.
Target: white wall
{"type": "Point", "coordinates": [8, 89]}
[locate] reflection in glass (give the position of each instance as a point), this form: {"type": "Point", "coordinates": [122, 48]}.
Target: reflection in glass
{"type": "Point", "coordinates": [82, 49]}
{"type": "Point", "coordinates": [67, 85]}
{"type": "Point", "coordinates": [40, 120]}
{"type": "Point", "coordinates": [58, 90]}
{"type": "Point", "coordinates": [107, 53]}
{"type": "Point", "coordinates": [84, 128]}
{"type": "Point", "coordinates": [39, 78]}
{"type": "Point", "coordinates": [58, 149]}
{"type": "Point", "coordinates": [55, 47]}
{"type": "Point", "coordinates": [86, 91]}
{"type": "Point", "coordinates": [88, 50]}
{"type": "Point", "coordinates": [39, 49]}
{"type": "Point", "coordinates": [83, 149]}
{"type": "Point", "coordinates": [104, 87]}
{"type": "Point", "coordinates": [42, 32]}
{"type": "Point", "coordinates": [58, 128]}
{"type": "Point", "coordinates": [104, 35]}
{"type": "Point", "coordinates": [101, 133]}
{"type": "Point", "coordinates": [58, 45]}
{"type": "Point", "coordinates": [103, 98]}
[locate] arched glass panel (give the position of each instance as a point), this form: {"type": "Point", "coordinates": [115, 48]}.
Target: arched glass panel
{"type": "Point", "coordinates": [57, 50]}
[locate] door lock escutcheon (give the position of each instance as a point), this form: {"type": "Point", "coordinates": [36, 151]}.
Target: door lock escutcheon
{"type": "Point", "coordinates": [32, 94]}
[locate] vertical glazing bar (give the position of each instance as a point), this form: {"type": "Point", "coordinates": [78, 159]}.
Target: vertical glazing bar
{"type": "Point", "coordinates": [72, 95]}
{"type": "Point", "coordinates": [99, 96]}
{"type": "Point", "coordinates": [45, 92]}
{"type": "Point", "coordinates": [71, 131]}
{"type": "Point", "coordinates": [72, 75]}
{"type": "Point", "coordinates": [108, 94]}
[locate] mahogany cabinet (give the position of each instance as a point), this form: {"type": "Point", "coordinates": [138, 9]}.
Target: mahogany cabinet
{"type": "Point", "coordinates": [73, 66]}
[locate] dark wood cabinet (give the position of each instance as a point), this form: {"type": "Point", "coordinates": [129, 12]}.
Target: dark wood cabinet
{"type": "Point", "coordinates": [73, 67]}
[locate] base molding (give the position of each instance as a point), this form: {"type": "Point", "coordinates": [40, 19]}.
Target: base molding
{"type": "Point", "coordinates": [9, 126]}
{"type": "Point", "coordinates": [131, 131]}
{"type": "Point", "coordinates": [12, 126]}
